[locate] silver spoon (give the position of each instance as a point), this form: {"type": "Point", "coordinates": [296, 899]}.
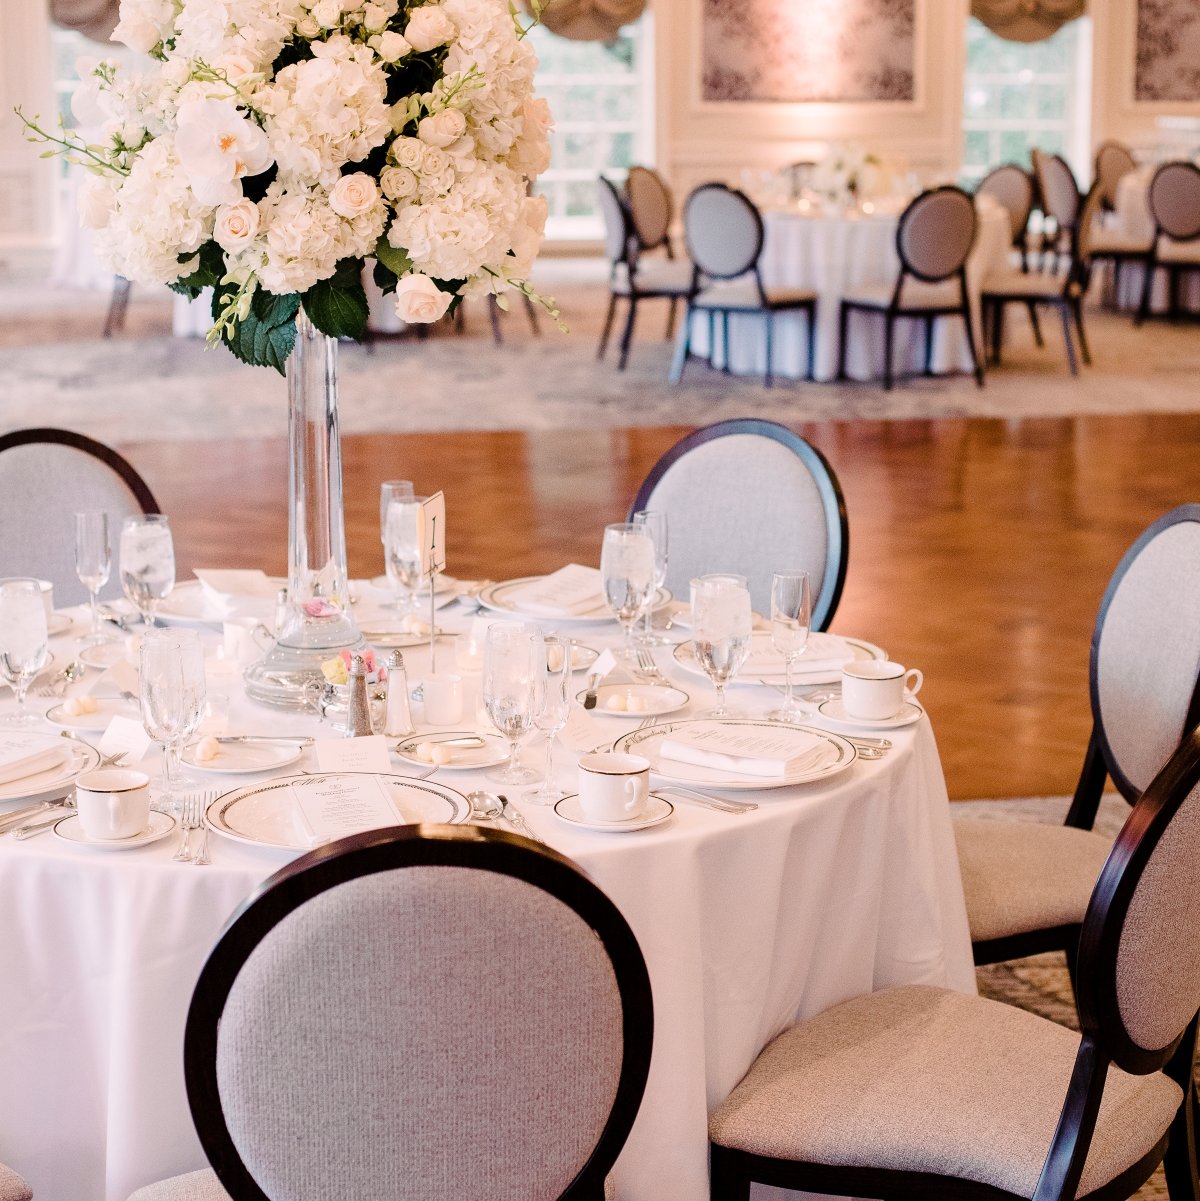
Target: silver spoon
{"type": "Point", "coordinates": [485, 805]}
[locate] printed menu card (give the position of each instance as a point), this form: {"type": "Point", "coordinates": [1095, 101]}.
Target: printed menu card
{"type": "Point", "coordinates": [571, 591]}
{"type": "Point", "coordinates": [746, 750]}
{"type": "Point", "coordinates": [21, 756]}
{"type": "Point", "coordinates": [337, 805]}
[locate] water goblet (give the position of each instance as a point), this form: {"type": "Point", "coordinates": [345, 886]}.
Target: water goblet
{"type": "Point", "coordinates": [93, 565]}
{"type": "Point", "coordinates": [553, 710]}
{"type": "Point", "coordinates": [23, 642]}
{"type": "Point", "coordinates": [147, 562]}
{"type": "Point", "coordinates": [722, 623]}
{"type": "Point", "coordinates": [627, 576]}
{"type": "Point", "coordinates": [172, 697]}
{"type": "Point", "coordinates": [389, 491]}
{"type": "Point", "coordinates": [513, 666]}
{"type": "Point", "coordinates": [402, 531]}
{"type": "Point", "coordinates": [791, 622]}
{"type": "Point", "coordinates": [654, 522]}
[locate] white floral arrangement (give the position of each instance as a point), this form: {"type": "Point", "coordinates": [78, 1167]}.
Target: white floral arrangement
{"type": "Point", "coordinates": [847, 173]}
{"type": "Point", "coordinates": [268, 148]}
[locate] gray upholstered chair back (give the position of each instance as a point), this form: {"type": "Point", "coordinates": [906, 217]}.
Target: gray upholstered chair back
{"type": "Point", "coordinates": [1114, 160]}
{"type": "Point", "coordinates": [649, 206]}
{"type": "Point", "coordinates": [724, 231]}
{"type": "Point", "coordinates": [1145, 655]}
{"type": "Point", "coordinates": [1059, 191]}
{"type": "Point", "coordinates": [1012, 187]}
{"type": "Point", "coordinates": [1089, 215]}
{"type": "Point", "coordinates": [422, 1029]}
{"type": "Point", "coordinates": [1175, 200]}
{"type": "Point", "coordinates": [44, 483]}
{"type": "Point", "coordinates": [936, 233]}
{"type": "Point", "coordinates": [616, 221]}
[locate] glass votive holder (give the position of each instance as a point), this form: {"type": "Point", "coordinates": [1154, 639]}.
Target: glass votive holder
{"type": "Point", "coordinates": [468, 653]}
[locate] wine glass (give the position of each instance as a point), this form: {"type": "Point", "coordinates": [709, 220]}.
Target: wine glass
{"type": "Point", "coordinates": [389, 491]}
{"type": "Point", "coordinates": [654, 522]}
{"type": "Point", "coordinates": [722, 623]}
{"type": "Point", "coordinates": [553, 710]}
{"type": "Point", "coordinates": [172, 696]}
{"type": "Point", "coordinates": [147, 562]}
{"type": "Point", "coordinates": [23, 642]}
{"type": "Point", "coordinates": [93, 564]}
{"type": "Point", "coordinates": [402, 548]}
{"type": "Point", "coordinates": [791, 622]}
{"type": "Point", "coordinates": [627, 576]}
{"type": "Point", "coordinates": [513, 666]}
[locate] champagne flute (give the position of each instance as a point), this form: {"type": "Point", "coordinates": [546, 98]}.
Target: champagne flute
{"type": "Point", "coordinates": [627, 576]}
{"type": "Point", "coordinates": [93, 564]}
{"type": "Point", "coordinates": [791, 622]}
{"type": "Point", "coordinates": [553, 710]}
{"type": "Point", "coordinates": [147, 562]}
{"type": "Point", "coordinates": [513, 666]}
{"type": "Point", "coordinates": [24, 642]}
{"type": "Point", "coordinates": [172, 696]}
{"type": "Point", "coordinates": [654, 522]}
{"type": "Point", "coordinates": [402, 548]}
{"type": "Point", "coordinates": [722, 623]}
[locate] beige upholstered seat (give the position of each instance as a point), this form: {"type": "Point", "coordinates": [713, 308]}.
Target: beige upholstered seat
{"type": "Point", "coordinates": [915, 294]}
{"type": "Point", "coordinates": [1038, 284]}
{"type": "Point", "coordinates": [656, 276]}
{"type": "Point", "coordinates": [12, 1186]}
{"type": "Point", "coordinates": [742, 294]}
{"type": "Point", "coordinates": [928, 1080]}
{"type": "Point", "coordinates": [1171, 251]}
{"type": "Point", "coordinates": [1107, 241]}
{"type": "Point", "coordinates": [1020, 876]}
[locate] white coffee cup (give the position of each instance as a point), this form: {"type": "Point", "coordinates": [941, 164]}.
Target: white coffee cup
{"type": "Point", "coordinates": [113, 802]}
{"type": "Point", "coordinates": [873, 690]}
{"type": "Point", "coordinates": [443, 695]}
{"type": "Point", "coordinates": [613, 787]}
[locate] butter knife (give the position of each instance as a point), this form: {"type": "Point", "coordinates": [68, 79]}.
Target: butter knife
{"type": "Point", "coordinates": [43, 823]}
{"type": "Point", "coordinates": [298, 739]}
{"type": "Point", "coordinates": [589, 697]}
{"type": "Point", "coordinates": [514, 819]}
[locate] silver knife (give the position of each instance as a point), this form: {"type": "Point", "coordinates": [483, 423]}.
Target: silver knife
{"type": "Point", "coordinates": [45, 822]}
{"type": "Point", "coordinates": [589, 697]}
{"type": "Point", "coordinates": [20, 816]}
{"type": "Point", "coordinates": [515, 820]}
{"type": "Point", "coordinates": [299, 739]}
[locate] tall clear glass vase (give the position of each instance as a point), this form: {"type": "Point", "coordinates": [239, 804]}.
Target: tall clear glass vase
{"type": "Point", "coordinates": [318, 622]}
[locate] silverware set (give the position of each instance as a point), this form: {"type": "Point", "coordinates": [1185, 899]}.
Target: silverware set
{"type": "Point", "coordinates": [57, 686]}
{"type": "Point", "coordinates": [191, 818]}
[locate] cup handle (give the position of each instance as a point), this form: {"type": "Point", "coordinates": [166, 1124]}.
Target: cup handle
{"type": "Point", "coordinates": [919, 679]}
{"type": "Point", "coordinates": [631, 790]}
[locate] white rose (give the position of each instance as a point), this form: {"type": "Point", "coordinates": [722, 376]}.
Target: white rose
{"type": "Point", "coordinates": [434, 161]}
{"type": "Point", "coordinates": [236, 66]}
{"type": "Point", "coordinates": [408, 152]}
{"type": "Point", "coordinates": [390, 46]}
{"type": "Point", "coordinates": [310, 27]}
{"type": "Point", "coordinates": [138, 33]}
{"type": "Point", "coordinates": [327, 13]}
{"type": "Point", "coordinates": [419, 300]}
{"type": "Point", "coordinates": [375, 17]}
{"type": "Point", "coordinates": [353, 195]}
{"type": "Point", "coordinates": [442, 129]}
{"type": "Point", "coordinates": [398, 183]}
{"type": "Point", "coordinates": [428, 28]}
{"type": "Point", "coordinates": [236, 225]}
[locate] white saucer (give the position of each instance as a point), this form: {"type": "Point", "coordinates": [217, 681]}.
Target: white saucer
{"type": "Point", "coordinates": [59, 623]}
{"type": "Point", "coordinates": [94, 723]}
{"type": "Point", "coordinates": [655, 700]}
{"type": "Point", "coordinates": [834, 712]}
{"type": "Point", "coordinates": [570, 811]}
{"type": "Point", "coordinates": [69, 830]}
{"type": "Point", "coordinates": [104, 654]}
{"type": "Point", "coordinates": [245, 758]}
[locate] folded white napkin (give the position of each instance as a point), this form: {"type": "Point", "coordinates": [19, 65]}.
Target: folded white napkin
{"type": "Point", "coordinates": [571, 591]}
{"type": "Point", "coordinates": [20, 757]}
{"type": "Point", "coordinates": [824, 652]}
{"type": "Point", "coordinates": [222, 588]}
{"type": "Point", "coordinates": [747, 750]}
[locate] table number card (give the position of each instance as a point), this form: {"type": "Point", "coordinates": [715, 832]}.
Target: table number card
{"type": "Point", "coordinates": [127, 736]}
{"type": "Point", "coordinates": [433, 535]}
{"type": "Point", "coordinates": [336, 806]}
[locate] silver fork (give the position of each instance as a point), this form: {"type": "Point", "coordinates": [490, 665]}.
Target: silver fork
{"type": "Point", "coordinates": [58, 685]}
{"type": "Point", "coordinates": [203, 800]}
{"type": "Point", "coordinates": [183, 853]}
{"type": "Point", "coordinates": [648, 667]}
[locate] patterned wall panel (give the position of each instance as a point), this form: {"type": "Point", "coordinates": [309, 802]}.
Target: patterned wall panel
{"type": "Point", "coordinates": [850, 51]}
{"type": "Point", "coordinates": [1168, 51]}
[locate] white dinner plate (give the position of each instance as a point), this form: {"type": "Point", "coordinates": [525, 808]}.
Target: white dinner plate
{"type": "Point", "coordinates": [636, 700]}
{"type": "Point", "coordinates": [646, 743]}
{"type": "Point", "coordinates": [103, 655]}
{"type": "Point", "coordinates": [504, 598]}
{"type": "Point", "coordinates": [187, 604]}
{"type": "Point", "coordinates": [658, 809]}
{"type": "Point", "coordinates": [59, 623]}
{"type": "Point", "coordinates": [834, 712]}
{"type": "Point", "coordinates": [391, 638]}
{"type": "Point", "coordinates": [493, 751]}
{"type": "Point", "coordinates": [90, 723]}
{"type": "Point", "coordinates": [244, 758]}
{"type": "Point", "coordinates": [56, 781]}
{"type": "Point", "coordinates": [69, 830]}
{"type": "Point", "coordinates": [262, 814]}
{"type": "Point", "coordinates": [765, 665]}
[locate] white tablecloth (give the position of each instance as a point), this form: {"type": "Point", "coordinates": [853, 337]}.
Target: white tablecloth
{"type": "Point", "coordinates": [1131, 217]}
{"type": "Point", "coordinates": [831, 254]}
{"type": "Point", "coordinates": [747, 923]}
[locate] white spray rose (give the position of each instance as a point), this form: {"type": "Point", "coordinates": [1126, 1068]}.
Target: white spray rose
{"type": "Point", "coordinates": [428, 28]}
{"type": "Point", "coordinates": [327, 13]}
{"type": "Point", "coordinates": [442, 129]}
{"type": "Point", "coordinates": [398, 183]}
{"type": "Point", "coordinates": [390, 46]}
{"type": "Point", "coordinates": [408, 152]}
{"type": "Point", "coordinates": [236, 225]}
{"type": "Point", "coordinates": [138, 33]}
{"type": "Point", "coordinates": [353, 195]}
{"type": "Point", "coordinates": [419, 300]}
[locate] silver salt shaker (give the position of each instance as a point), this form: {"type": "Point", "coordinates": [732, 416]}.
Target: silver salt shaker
{"type": "Point", "coordinates": [397, 722]}
{"type": "Point", "coordinates": [358, 711]}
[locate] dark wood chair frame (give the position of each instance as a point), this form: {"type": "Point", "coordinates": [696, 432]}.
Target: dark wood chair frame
{"type": "Point", "coordinates": [90, 446]}
{"type": "Point", "coordinates": [664, 242]}
{"type": "Point", "coordinates": [837, 525]}
{"type": "Point", "coordinates": [1153, 263]}
{"type": "Point", "coordinates": [893, 312]}
{"type": "Point", "coordinates": [1099, 765]}
{"type": "Point", "coordinates": [766, 308]}
{"type": "Point", "coordinates": [397, 848]}
{"type": "Point", "coordinates": [1020, 240]}
{"type": "Point", "coordinates": [1105, 1040]}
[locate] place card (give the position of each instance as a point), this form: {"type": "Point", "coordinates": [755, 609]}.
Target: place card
{"type": "Point", "coordinates": [571, 591]}
{"type": "Point", "coordinates": [366, 754]}
{"type": "Point", "coordinates": [21, 756]}
{"type": "Point", "coordinates": [125, 735]}
{"type": "Point", "coordinates": [747, 750]}
{"type": "Point", "coordinates": [334, 806]}
{"type": "Point", "coordinates": [431, 529]}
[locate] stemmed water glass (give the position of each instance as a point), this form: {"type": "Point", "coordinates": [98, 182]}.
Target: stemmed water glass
{"type": "Point", "coordinates": [722, 623]}
{"type": "Point", "coordinates": [93, 565]}
{"type": "Point", "coordinates": [147, 562]}
{"type": "Point", "coordinates": [513, 666]}
{"type": "Point", "coordinates": [791, 621]}
{"type": "Point", "coordinates": [402, 547]}
{"type": "Point", "coordinates": [627, 576]}
{"type": "Point", "coordinates": [23, 642]}
{"type": "Point", "coordinates": [553, 710]}
{"type": "Point", "coordinates": [654, 522]}
{"type": "Point", "coordinates": [172, 696]}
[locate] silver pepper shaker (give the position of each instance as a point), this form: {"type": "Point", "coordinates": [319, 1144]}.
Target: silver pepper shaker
{"type": "Point", "coordinates": [358, 713]}
{"type": "Point", "coordinates": [397, 722]}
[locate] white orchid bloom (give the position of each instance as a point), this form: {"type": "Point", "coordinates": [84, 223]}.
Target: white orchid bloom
{"type": "Point", "coordinates": [217, 147]}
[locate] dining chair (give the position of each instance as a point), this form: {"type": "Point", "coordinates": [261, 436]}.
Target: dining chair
{"type": "Point", "coordinates": [918, 1092]}
{"type": "Point", "coordinates": [724, 233]}
{"type": "Point", "coordinates": [12, 1186]}
{"type": "Point", "coordinates": [630, 278]}
{"type": "Point", "coordinates": [46, 475]}
{"type": "Point", "coordinates": [1063, 290]}
{"type": "Point", "coordinates": [1027, 884]}
{"type": "Point", "coordinates": [1174, 200]}
{"type": "Point", "coordinates": [422, 1013]}
{"type": "Point", "coordinates": [1013, 188]}
{"type": "Point", "coordinates": [651, 210]}
{"type": "Point", "coordinates": [933, 239]}
{"type": "Point", "coordinates": [1114, 160]}
{"type": "Point", "coordinates": [751, 497]}
{"type": "Point", "coordinates": [1059, 199]}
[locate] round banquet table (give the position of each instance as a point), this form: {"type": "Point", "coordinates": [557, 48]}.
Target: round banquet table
{"type": "Point", "coordinates": [832, 253]}
{"type": "Point", "coordinates": [748, 923]}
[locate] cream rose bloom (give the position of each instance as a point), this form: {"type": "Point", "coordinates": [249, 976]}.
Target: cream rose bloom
{"type": "Point", "coordinates": [442, 129]}
{"type": "Point", "coordinates": [428, 28]}
{"type": "Point", "coordinates": [353, 195]}
{"type": "Point", "coordinates": [419, 300]}
{"type": "Point", "coordinates": [408, 152]}
{"type": "Point", "coordinates": [236, 225]}
{"type": "Point", "coordinates": [398, 183]}
{"type": "Point", "coordinates": [390, 46]}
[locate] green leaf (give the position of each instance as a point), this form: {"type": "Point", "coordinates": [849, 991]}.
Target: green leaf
{"type": "Point", "coordinates": [396, 261]}
{"type": "Point", "coordinates": [338, 307]}
{"type": "Point", "coordinates": [207, 273]}
{"type": "Point", "coordinates": [272, 310]}
{"type": "Point", "coordinates": [385, 278]}
{"type": "Point", "coordinates": [263, 345]}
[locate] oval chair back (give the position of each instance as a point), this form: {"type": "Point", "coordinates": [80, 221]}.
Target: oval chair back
{"type": "Point", "coordinates": [1057, 187]}
{"type": "Point", "coordinates": [1012, 187]}
{"type": "Point", "coordinates": [723, 230]}
{"type": "Point", "coordinates": [1175, 200]}
{"type": "Point", "coordinates": [936, 233]}
{"type": "Point", "coordinates": [650, 207]}
{"type": "Point", "coordinates": [1114, 160]}
{"type": "Point", "coordinates": [618, 229]}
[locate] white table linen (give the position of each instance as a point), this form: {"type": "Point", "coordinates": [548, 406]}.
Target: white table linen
{"type": "Point", "coordinates": [832, 254]}
{"type": "Point", "coordinates": [747, 923]}
{"type": "Point", "coordinates": [1131, 218]}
